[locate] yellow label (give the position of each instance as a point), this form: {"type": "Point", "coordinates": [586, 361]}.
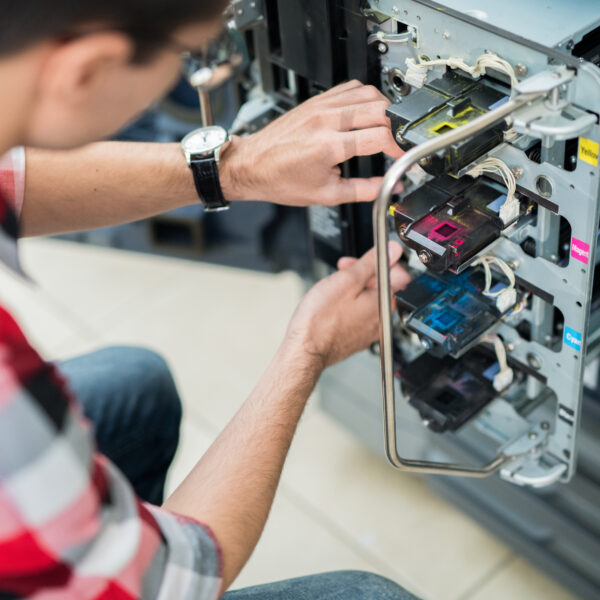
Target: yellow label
{"type": "Point", "coordinates": [588, 151]}
{"type": "Point", "coordinates": [392, 211]}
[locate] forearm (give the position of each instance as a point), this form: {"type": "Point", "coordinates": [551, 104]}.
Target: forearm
{"type": "Point", "coordinates": [232, 487]}
{"type": "Point", "coordinates": [103, 184]}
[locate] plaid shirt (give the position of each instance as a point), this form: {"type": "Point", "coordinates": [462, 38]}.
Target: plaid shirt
{"type": "Point", "coordinates": [70, 524]}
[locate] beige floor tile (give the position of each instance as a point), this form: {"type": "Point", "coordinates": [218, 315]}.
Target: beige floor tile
{"type": "Point", "coordinates": [193, 443]}
{"type": "Point", "coordinates": [294, 545]}
{"type": "Point", "coordinates": [391, 515]}
{"type": "Point", "coordinates": [43, 321]}
{"type": "Point", "coordinates": [520, 580]}
{"type": "Point", "coordinates": [97, 286]}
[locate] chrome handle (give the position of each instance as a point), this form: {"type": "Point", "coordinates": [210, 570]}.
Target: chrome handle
{"type": "Point", "coordinates": [380, 212]}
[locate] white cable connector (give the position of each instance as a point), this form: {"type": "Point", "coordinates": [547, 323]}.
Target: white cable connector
{"type": "Point", "coordinates": [510, 210]}
{"type": "Point", "coordinates": [505, 375]}
{"type": "Point", "coordinates": [503, 379]}
{"type": "Point", "coordinates": [416, 72]}
{"type": "Point", "coordinates": [505, 297]}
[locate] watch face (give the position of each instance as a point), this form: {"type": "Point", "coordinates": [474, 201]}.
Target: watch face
{"type": "Point", "coordinates": [205, 140]}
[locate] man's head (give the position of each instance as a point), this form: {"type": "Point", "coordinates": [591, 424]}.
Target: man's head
{"type": "Point", "coordinates": [74, 71]}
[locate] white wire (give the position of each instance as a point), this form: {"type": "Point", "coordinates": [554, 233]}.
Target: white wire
{"type": "Point", "coordinates": [485, 61]}
{"type": "Point", "coordinates": [495, 165]}
{"type": "Point", "coordinates": [499, 349]}
{"type": "Point", "coordinates": [486, 262]}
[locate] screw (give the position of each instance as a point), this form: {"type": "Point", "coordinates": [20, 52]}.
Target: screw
{"type": "Point", "coordinates": [395, 10]}
{"type": "Point", "coordinates": [400, 137]}
{"type": "Point", "coordinates": [510, 347]}
{"type": "Point", "coordinates": [520, 70]}
{"type": "Point", "coordinates": [382, 48]}
{"type": "Point", "coordinates": [545, 425]}
{"type": "Point", "coordinates": [518, 172]}
{"type": "Point", "coordinates": [446, 35]}
{"type": "Point", "coordinates": [532, 435]}
{"type": "Point", "coordinates": [534, 361]}
{"type": "Point", "coordinates": [513, 264]}
{"type": "Point", "coordinates": [424, 256]}
{"type": "Point", "coordinates": [570, 44]}
{"type": "Point", "coordinates": [402, 229]}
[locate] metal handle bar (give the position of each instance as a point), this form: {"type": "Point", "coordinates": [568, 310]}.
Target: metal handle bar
{"type": "Point", "coordinates": [380, 212]}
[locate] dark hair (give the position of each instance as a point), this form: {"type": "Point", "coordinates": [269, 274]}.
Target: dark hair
{"type": "Point", "coordinates": [149, 23]}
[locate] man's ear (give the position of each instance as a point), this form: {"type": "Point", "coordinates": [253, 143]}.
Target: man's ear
{"type": "Point", "coordinates": [74, 68]}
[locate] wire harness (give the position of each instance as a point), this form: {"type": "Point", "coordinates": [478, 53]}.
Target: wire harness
{"type": "Point", "coordinates": [505, 375]}
{"type": "Point", "coordinates": [416, 72]}
{"type": "Point", "coordinates": [505, 297]}
{"type": "Point", "coordinates": [509, 211]}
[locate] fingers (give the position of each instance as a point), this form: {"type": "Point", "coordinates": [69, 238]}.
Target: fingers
{"type": "Point", "coordinates": [364, 268]}
{"type": "Point", "coordinates": [353, 95]}
{"type": "Point", "coordinates": [345, 262]}
{"type": "Point", "coordinates": [399, 278]}
{"type": "Point", "coordinates": [357, 190]}
{"type": "Point", "coordinates": [361, 116]}
{"type": "Point", "coordinates": [341, 88]}
{"type": "Point", "coordinates": [365, 142]}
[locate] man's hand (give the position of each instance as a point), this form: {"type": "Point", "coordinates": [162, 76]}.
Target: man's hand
{"type": "Point", "coordinates": [339, 316]}
{"type": "Point", "coordinates": [295, 159]}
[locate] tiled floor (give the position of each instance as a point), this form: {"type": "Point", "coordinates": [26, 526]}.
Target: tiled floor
{"type": "Point", "coordinates": [339, 506]}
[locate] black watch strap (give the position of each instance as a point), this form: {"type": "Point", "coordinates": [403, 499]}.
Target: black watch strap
{"type": "Point", "coordinates": [206, 178]}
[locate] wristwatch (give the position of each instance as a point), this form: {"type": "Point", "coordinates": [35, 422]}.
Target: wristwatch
{"type": "Point", "coordinates": [201, 148]}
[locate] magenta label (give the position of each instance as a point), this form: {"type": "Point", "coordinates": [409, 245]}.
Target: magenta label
{"type": "Point", "coordinates": [580, 250]}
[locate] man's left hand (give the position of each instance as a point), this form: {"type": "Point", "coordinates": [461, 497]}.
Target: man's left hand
{"type": "Point", "coordinates": [295, 160]}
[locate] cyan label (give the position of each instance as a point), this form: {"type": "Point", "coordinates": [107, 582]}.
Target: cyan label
{"type": "Point", "coordinates": [573, 338]}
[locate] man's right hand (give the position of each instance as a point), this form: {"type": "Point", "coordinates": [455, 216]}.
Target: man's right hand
{"type": "Point", "coordinates": [339, 315]}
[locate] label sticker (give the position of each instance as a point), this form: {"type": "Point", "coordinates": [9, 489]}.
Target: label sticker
{"type": "Point", "coordinates": [580, 251]}
{"type": "Point", "coordinates": [573, 338]}
{"type": "Point", "coordinates": [588, 151]}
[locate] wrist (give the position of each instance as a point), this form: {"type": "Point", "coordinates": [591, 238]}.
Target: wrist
{"type": "Point", "coordinates": [297, 351]}
{"type": "Point", "coordinates": [233, 172]}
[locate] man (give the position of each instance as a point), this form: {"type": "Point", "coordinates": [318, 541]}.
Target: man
{"type": "Point", "coordinates": [70, 526]}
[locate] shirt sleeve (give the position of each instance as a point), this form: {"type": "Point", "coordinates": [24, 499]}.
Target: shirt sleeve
{"type": "Point", "coordinates": [69, 521]}
{"type": "Point", "coordinates": [12, 177]}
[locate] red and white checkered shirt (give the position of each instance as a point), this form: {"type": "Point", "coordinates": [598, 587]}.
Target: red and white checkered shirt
{"type": "Point", "coordinates": [71, 526]}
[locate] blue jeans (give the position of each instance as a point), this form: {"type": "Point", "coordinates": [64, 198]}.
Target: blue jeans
{"type": "Point", "coordinates": [341, 585]}
{"type": "Point", "coordinates": [131, 398]}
